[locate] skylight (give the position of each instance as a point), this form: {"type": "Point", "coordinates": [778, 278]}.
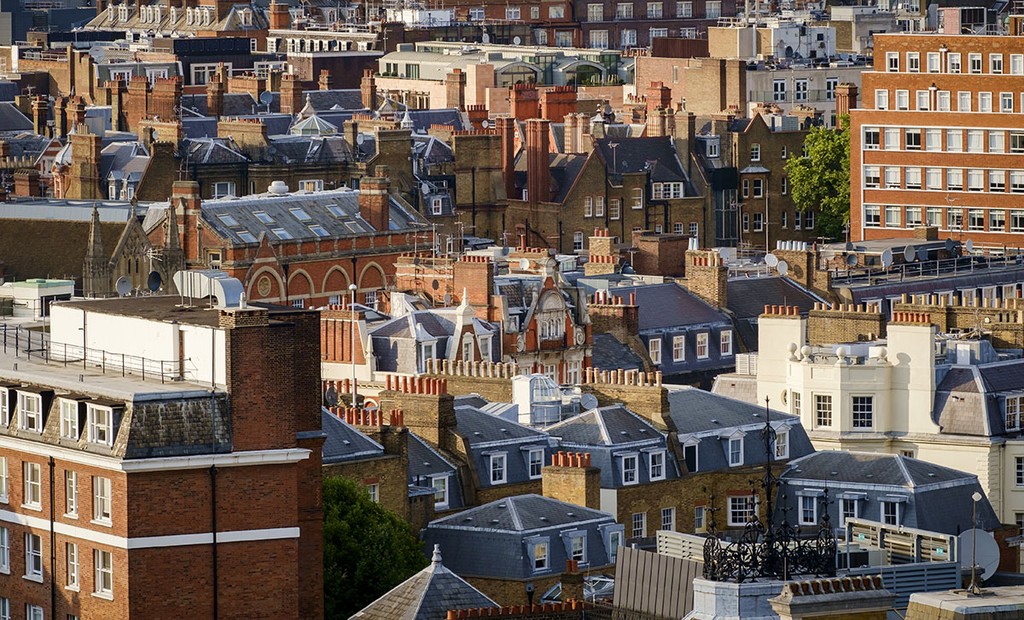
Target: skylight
{"type": "Point", "coordinates": [246, 236]}
{"type": "Point", "coordinates": [281, 233]}
{"type": "Point", "coordinates": [300, 215]}
{"type": "Point", "coordinates": [336, 211]}
{"type": "Point", "coordinates": [228, 220]}
{"type": "Point", "coordinates": [263, 217]}
{"type": "Point", "coordinates": [319, 230]}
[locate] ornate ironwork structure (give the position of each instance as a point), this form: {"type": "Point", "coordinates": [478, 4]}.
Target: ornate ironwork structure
{"type": "Point", "coordinates": [768, 550]}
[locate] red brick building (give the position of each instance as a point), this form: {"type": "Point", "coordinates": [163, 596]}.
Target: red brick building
{"type": "Point", "coordinates": [168, 496]}
{"type": "Point", "coordinates": [939, 138]}
{"type": "Point", "coordinates": [302, 249]}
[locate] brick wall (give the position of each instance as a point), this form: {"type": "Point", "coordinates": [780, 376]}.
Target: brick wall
{"type": "Point", "coordinates": [1002, 320]}
{"type": "Point", "coordinates": [707, 277]}
{"type": "Point", "coordinates": [844, 323]}
{"type": "Point", "coordinates": [570, 478]}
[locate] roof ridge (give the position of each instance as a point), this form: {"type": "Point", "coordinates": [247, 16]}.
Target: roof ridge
{"type": "Point", "coordinates": [601, 425]}
{"type": "Point", "coordinates": [516, 521]}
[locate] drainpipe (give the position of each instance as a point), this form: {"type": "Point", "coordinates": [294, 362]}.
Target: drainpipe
{"type": "Point", "coordinates": [53, 547]}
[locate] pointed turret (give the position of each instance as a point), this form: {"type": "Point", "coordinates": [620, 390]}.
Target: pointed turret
{"type": "Point", "coordinates": [96, 273]}
{"type": "Point", "coordinates": [173, 255]}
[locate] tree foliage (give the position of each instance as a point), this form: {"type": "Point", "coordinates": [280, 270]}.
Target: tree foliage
{"type": "Point", "coordinates": [367, 549]}
{"type": "Point", "coordinates": [821, 179]}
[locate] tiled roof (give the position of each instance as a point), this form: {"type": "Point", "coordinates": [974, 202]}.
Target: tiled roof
{"type": "Point", "coordinates": [747, 297]}
{"type": "Point", "coordinates": [610, 353]}
{"type": "Point", "coordinates": [670, 305]}
{"type": "Point", "coordinates": [606, 426]}
{"type": "Point", "coordinates": [345, 443]}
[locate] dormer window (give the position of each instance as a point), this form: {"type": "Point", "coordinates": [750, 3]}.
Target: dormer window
{"type": "Point", "coordinates": [485, 348]}
{"type": "Point", "coordinates": [782, 444]}
{"type": "Point", "coordinates": [499, 472]}
{"type": "Point", "coordinates": [69, 419]}
{"type": "Point", "coordinates": [736, 451]}
{"type": "Point", "coordinates": [30, 412]}
{"type": "Point", "coordinates": [100, 421]}
{"type": "Point", "coordinates": [1014, 404]}
{"type": "Point", "coordinates": [656, 464]}
{"type": "Point", "coordinates": [629, 469]}
{"type": "Point", "coordinates": [5, 408]}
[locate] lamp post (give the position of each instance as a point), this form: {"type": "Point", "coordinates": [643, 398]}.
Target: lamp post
{"type": "Point", "coordinates": [352, 350]}
{"type": "Point", "coordinates": [974, 588]}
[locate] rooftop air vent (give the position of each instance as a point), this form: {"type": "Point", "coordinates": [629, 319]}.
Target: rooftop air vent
{"type": "Point", "coordinates": [278, 187]}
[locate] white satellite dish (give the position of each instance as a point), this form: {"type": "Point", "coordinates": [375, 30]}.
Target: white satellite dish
{"type": "Point", "coordinates": [771, 260]}
{"type": "Point", "coordinates": [887, 258]}
{"type": "Point", "coordinates": [524, 263]}
{"type": "Point", "coordinates": [782, 268]}
{"type": "Point", "coordinates": [588, 402]}
{"type": "Point", "coordinates": [970, 245]}
{"type": "Point", "coordinates": [123, 286]}
{"type": "Point", "coordinates": [425, 187]}
{"type": "Point", "coordinates": [985, 552]}
{"type": "Point", "coordinates": [516, 40]}
{"type": "Point", "coordinates": [485, 123]}
{"type": "Point", "coordinates": [909, 253]}
{"type": "Point", "coordinates": [360, 138]}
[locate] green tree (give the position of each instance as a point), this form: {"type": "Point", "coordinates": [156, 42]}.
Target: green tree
{"type": "Point", "coordinates": [367, 549]}
{"type": "Point", "coordinates": [821, 179]}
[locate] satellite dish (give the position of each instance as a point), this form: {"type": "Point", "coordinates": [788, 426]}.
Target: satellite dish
{"type": "Point", "coordinates": [485, 123]}
{"type": "Point", "coordinates": [828, 254]}
{"type": "Point", "coordinates": [970, 245]}
{"type": "Point", "coordinates": [909, 253]}
{"type": "Point", "coordinates": [516, 40]}
{"type": "Point", "coordinates": [447, 299]}
{"type": "Point", "coordinates": [782, 268]}
{"type": "Point", "coordinates": [425, 187]}
{"type": "Point", "coordinates": [360, 138]}
{"type": "Point", "coordinates": [887, 258]}
{"type": "Point", "coordinates": [851, 259]}
{"type": "Point", "coordinates": [154, 281]}
{"type": "Point", "coordinates": [435, 285]}
{"type": "Point", "coordinates": [588, 402]}
{"type": "Point", "coordinates": [849, 247]}
{"type": "Point", "coordinates": [123, 286]}
{"type": "Point", "coordinates": [524, 263]}
{"type": "Point", "coordinates": [922, 254]}
{"type": "Point", "coordinates": [771, 260]}
{"type": "Point", "coordinates": [950, 245]}
{"type": "Point", "coordinates": [985, 552]}
{"type": "Point", "coordinates": [266, 97]}
{"type": "Point", "coordinates": [331, 396]}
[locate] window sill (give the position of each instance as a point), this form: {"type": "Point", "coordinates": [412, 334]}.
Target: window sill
{"type": "Point", "coordinates": [35, 578]}
{"type": "Point", "coordinates": [72, 588]}
{"type": "Point", "coordinates": [5, 570]}
{"type": "Point", "coordinates": [107, 596]}
{"type": "Point", "coordinates": [102, 523]}
{"type": "Point", "coordinates": [31, 507]}
{"type": "Point", "coordinates": [71, 515]}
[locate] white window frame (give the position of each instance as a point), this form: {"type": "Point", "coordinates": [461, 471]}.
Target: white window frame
{"type": "Point", "coordinates": [4, 481]}
{"type": "Point", "coordinates": [73, 563]}
{"type": "Point", "coordinates": [5, 551]}
{"type": "Point", "coordinates": [702, 346]}
{"type": "Point", "coordinates": [100, 423]}
{"type": "Point", "coordinates": [103, 579]}
{"type": "Point", "coordinates": [5, 408]}
{"type": "Point", "coordinates": [498, 467]}
{"type": "Point", "coordinates": [535, 456]}
{"type": "Point", "coordinates": [808, 510]}
{"type": "Point", "coordinates": [102, 500]}
{"type": "Point", "coordinates": [844, 504]}
{"type": "Point", "coordinates": [32, 486]}
{"type": "Point", "coordinates": [679, 348]}
{"type": "Point", "coordinates": [781, 446]}
{"type": "Point", "coordinates": [69, 419]}
{"type": "Point", "coordinates": [700, 522]}
{"type": "Point", "coordinates": [71, 494]}
{"type": "Point", "coordinates": [656, 464]}
{"type": "Point", "coordinates": [668, 519]}
{"type": "Point", "coordinates": [539, 556]}
{"type": "Point", "coordinates": [883, 517]}
{"type": "Point", "coordinates": [639, 525]}
{"type": "Point", "coordinates": [740, 506]}
{"type": "Point", "coordinates": [630, 469]}
{"type": "Point", "coordinates": [30, 416]}
{"type": "Point", "coordinates": [654, 350]}
{"type": "Point", "coordinates": [33, 557]}
{"type": "Point", "coordinates": [735, 451]}
{"type": "Point", "coordinates": [442, 489]}
{"type": "Point", "coordinates": [725, 343]}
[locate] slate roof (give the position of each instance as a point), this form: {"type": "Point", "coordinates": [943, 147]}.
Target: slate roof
{"type": "Point", "coordinates": [636, 155]}
{"type": "Point", "coordinates": [433, 323]}
{"type": "Point", "coordinates": [747, 297]}
{"type": "Point", "coordinates": [504, 528]}
{"type": "Point", "coordinates": [871, 467]}
{"type": "Point", "coordinates": [669, 305]}
{"type": "Point", "coordinates": [610, 353]}
{"type": "Point", "coordinates": [345, 443]}
{"type": "Point", "coordinates": [336, 211]}
{"type": "Point", "coordinates": [427, 595]}
{"type": "Point", "coordinates": [11, 118]}
{"type": "Point", "coordinates": [234, 104]}
{"type": "Point", "coordinates": [123, 159]}
{"type": "Point", "coordinates": [479, 427]}
{"type": "Point", "coordinates": [605, 426]}
{"type": "Point", "coordinates": [968, 398]}
{"type": "Point", "coordinates": [27, 144]}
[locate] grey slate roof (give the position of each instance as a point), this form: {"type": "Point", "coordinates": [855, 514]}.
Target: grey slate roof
{"type": "Point", "coordinates": [345, 443]}
{"type": "Point", "coordinates": [634, 155]}
{"type": "Point", "coordinates": [427, 595]}
{"type": "Point", "coordinates": [669, 305]}
{"type": "Point", "coordinates": [605, 426]}
{"type": "Point", "coordinates": [747, 297]}
{"type": "Point", "coordinates": [505, 527]}
{"type": "Point", "coordinates": [479, 427]}
{"type": "Point", "coordinates": [281, 209]}
{"type": "Point", "coordinates": [11, 118]}
{"type": "Point", "coordinates": [610, 353]}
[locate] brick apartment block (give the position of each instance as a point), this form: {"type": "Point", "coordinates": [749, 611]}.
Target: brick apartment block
{"type": "Point", "coordinates": [939, 139]}
{"type": "Point", "coordinates": [191, 493]}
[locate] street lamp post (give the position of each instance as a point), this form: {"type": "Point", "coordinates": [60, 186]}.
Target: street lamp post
{"type": "Point", "coordinates": [352, 350]}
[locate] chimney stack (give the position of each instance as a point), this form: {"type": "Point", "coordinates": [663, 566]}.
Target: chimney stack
{"type": "Point", "coordinates": [571, 478]}
{"type": "Point", "coordinates": [846, 99]}
{"type": "Point", "coordinates": [538, 160]}
{"type": "Point", "coordinates": [374, 199]}
{"type": "Point", "coordinates": [507, 130]}
{"type": "Point", "coordinates": [368, 90]}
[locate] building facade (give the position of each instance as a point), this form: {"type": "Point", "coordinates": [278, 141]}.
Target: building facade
{"type": "Point", "coordinates": [938, 138]}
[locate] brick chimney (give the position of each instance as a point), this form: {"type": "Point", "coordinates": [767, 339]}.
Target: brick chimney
{"type": "Point", "coordinates": [538, 160]}
{"type": "Point", "coordinates": [215, 97]}
{"type": "Point", "coordinates": [507, 130]}
{"type": "Point", "coordinates": [571, 131]}
{"type": "Point", "coordinates": [336, 337]}
{"type": "Point", "coordinates": [525, 102]}
{"type": "Point", "coordinates": [291, 93]}
{"type": "Point", "coordinates": [686, 130]}
{"type": "Point", "coordinates": [475, 275]}
{"type": "Point", "coordinates": [185, 197]}
{"type": "Point", "coordinates": [558, 101]}
{"type": "Point", "coordinates": [615, 315]}
{"type": "Point", "coordinates": [658, 96]}
{"type": "Point", "coordinates": [249, 133]}
{"type": "Point", "coordinates": [76, 111]}
{"type": "Point", "coordinates": [165, 99]}
{"type": "Point", "coordinates": [707, 277]}
{"type": "Point", "coordinates": [60, 117]}
{"type": "Point", "coordinates": [846, 99]}
{"type": "Point", "coordinates": [116, 91]}
{"type": "Point", "coordinates": [368, 90]}
{"type": "Point", "coordinates": [603, 258]}
{"type": "Point", "coordinates": [26, 183]}
{"type": "Point", "coordinates": [326, 81]}
{"type": "Point", "coordinates": [571, 478]}
{"type": "Point", "coordinates": [477, 114]}
{"type": "Point", "coordinates": [40, 114]}
{"type": "Point", "coordinates": [279, 17]}
{"type": "Point", "coordinates": [84, 181]}
{"type": "Point", "coordinates": [137, 105]}
{"type": "Point", "coordinates": [429, 410]}
{"type": "Point", "coordinates": [374, 199]}
{"type": "Point", "coordinates": [455, 89]}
